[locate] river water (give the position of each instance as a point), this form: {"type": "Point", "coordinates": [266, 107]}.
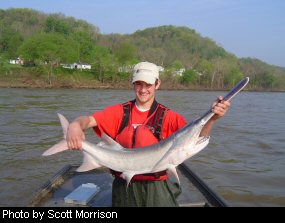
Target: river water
{"type": "Point", "coordinates": [244, 162]}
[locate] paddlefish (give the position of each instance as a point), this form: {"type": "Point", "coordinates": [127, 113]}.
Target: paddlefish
{"type": "Point", "coordinates": [167, 154]}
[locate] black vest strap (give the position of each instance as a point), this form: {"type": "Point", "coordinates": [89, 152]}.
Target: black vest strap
{"type": "Point", "coordinates": [153, 108]}
{"type": "Point", "coordinates": [155, 122]}
{"type": "Point", "coordinates": [127, 110]}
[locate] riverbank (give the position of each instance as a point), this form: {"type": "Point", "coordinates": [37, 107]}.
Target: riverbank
{"type": "Point", "coordinates": [26, 80]}
{"type": "Point", "coordinates": [76, 81]}
{"type": "Point", "coordinates": [79, 81]}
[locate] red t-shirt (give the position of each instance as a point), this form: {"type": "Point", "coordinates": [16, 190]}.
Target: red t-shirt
{"type": "Point", "coordinates": [109, 120]}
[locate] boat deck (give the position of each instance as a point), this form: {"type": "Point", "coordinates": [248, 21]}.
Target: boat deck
{"type": "Point", "coordinates": [194, 191]}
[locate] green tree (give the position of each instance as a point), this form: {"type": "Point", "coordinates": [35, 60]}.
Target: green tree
{"type": "Point", "coordinates": [268, 80]}
{"type": "Point", "coordinates": [55, 24]}
{"type": "Point", "coordinates": [85, 45]}
{"type": "Point", "coordinates": [205, 68]}
{"type": "Point", "coordinates": [10, 40]}
{"type": "Point", "coordinates": [125, 53]}
{"type": "Point", "coordinates": [189, 77]}
{"type": "Point", "coordinates": [176, 65]}
{"type": "Point", "coordinates": [233, 77]}
{"type": "Point", "coordinates": [104, 63]}
{"type": "Point", "coordinates": [49, 50]}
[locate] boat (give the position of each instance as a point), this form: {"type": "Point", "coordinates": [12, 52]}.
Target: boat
{"type": "Point", "coordinates": [195, 192]}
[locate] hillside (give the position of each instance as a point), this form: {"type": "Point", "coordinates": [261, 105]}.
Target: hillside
{"type": "Point", "coordinates": [47, 40]}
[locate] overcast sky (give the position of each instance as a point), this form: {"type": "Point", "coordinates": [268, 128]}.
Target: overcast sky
{"type": "Point", "coordinates": [246, 28]}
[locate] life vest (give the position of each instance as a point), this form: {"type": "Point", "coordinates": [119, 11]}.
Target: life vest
{"type": "Point", "coordinates": [146, 134]}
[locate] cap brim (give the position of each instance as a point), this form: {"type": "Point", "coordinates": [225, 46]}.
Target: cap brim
{"type": "Point", "coordinates": [144, 76]}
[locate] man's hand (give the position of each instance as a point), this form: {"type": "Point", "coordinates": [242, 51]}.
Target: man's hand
{"type": "Point", "coordinates": [75, 132]}
{"type": "Point", "coordinates": [220, 108]}
{"type": "Point", "coordinates": [75, 136]}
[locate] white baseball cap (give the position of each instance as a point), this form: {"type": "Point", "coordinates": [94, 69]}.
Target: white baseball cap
{"type": "Point", "coordinates": [146, 71]}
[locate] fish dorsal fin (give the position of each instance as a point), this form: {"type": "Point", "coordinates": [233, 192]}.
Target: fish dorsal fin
{"type": "Point", "coordinates": [108, 142]}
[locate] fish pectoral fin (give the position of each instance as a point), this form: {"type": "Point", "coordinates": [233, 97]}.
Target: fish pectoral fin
{"type": "Point", "coordinates": [127, 176]}
{"type": "Point", "coordinates": [172, 170]}
{"type": "Point", "coordinates": [88, 163]}
{"type": "Point", "coordinates": [109, 143]}
{"type": "Point", "coordinates": [59, 147]}
{"type": "Point", "coordinates": [203, 141]}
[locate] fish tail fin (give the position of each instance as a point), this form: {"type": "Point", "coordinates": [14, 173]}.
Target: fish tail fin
{"type": "Point", "coordinates": [59, 147]}
{"type": "Point", "coordinates": [62, 145]}
{"type": "Point", "coordinates": [64, 124]}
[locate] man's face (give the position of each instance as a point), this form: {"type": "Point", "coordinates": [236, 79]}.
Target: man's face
{"type": "Point", "coordinates": [145, 92]}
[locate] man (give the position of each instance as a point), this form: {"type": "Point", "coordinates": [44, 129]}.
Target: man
{"type": "Point", "coordinates": [136, 124]}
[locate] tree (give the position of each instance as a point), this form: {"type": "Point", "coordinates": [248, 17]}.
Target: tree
{"type": "Point", "coordinates": [205, 69]}
{"type": "Point", "coordinates": [176, 65]}
{"type": "Point", "coordinates": [189, 77]}
{"type": "Point", "coordinates": [104, 63]}
{"type": "Point", "coordinates": [10, 40]}
{"type": "Point", "coordinates": [55, 24]}
{"type": "Point", "coordinates": [268, 80]}
{"type": "Point", "coordinates": [125, 53]}
{"type": "Point", "coordinates": [85, 45]}
{"type": "Point", "coordinates": [233, 77]}
{"type": "Point", "coordinates": [49, 50]}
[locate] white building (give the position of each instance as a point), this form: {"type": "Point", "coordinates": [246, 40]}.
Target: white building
{"type": "Point", "coordinates": [77, 66]}
{"type": "Point", "coordinates": [160, 68]}
{"type": "Point", "coordinates": [179, 72]}
{"type": "Point", "coordinates": [17, 61]}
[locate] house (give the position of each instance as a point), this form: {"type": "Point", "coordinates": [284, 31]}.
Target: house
{"type": "Point", "coordinates": [77, 66]}
{"type": "Point", "coordinates": [160, 68]}
{"type": "Point", "coordinates": [179, 72]}
{"type": "Point", "coordinates": [84, 66]}
{"type": "Point", "coordinates": [126, 68]}
{"type": "Point", "coordinates": [19, 61]}
{"type": "Point", "coordinates": [130, 68]}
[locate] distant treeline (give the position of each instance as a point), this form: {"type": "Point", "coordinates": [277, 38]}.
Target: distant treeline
{"type": "Point", "coordinates": [47, 40]}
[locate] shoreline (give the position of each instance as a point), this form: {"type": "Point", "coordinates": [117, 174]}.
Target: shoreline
{"type": "Point", "coordinates": [82, 83]}
{"type": "Point", "coordinates": [111, 87]}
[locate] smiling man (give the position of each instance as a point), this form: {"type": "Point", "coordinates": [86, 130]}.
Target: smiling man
{"type": "Point", "coordinates": [135, 124]}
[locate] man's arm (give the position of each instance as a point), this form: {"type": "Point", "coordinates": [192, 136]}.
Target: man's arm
{"type": "Point", "coordinates": [75, 132]}
{"type": "Point", "coordinates": [220, 108]}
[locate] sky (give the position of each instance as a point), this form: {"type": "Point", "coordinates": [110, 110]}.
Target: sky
{"type": "Point", "coordinates": [246, 28]}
